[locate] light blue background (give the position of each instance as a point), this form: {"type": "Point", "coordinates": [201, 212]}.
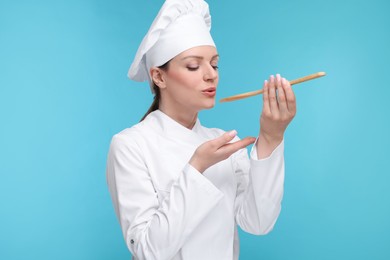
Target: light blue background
{"type": "Point", "coordinates": [64, 93]}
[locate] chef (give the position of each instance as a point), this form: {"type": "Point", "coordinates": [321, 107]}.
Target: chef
{"type": "Point", "coordinates": [180, 189]}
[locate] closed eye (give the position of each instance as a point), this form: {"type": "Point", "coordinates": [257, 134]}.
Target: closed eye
{"type": "Point", "coordinates": [192, 68]}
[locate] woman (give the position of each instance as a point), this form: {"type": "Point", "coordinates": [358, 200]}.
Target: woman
{"type": "Point", "coordinates": [180, 189]}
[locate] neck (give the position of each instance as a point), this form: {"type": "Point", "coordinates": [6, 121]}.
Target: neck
{"type": "Point", "coordinates": [185, 118]}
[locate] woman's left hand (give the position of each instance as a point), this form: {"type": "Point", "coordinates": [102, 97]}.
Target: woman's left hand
{"type": "Point", "coordinates": [279, 108]}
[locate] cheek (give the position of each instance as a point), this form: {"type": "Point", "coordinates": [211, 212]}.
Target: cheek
{"type": "Point", "coordinates": [184, 79]}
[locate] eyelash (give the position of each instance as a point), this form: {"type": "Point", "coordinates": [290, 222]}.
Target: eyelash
{"type": "Point", "coordinates": [195, 69]}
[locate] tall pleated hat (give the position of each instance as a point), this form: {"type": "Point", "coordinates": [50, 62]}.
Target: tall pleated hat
{"type": "Point", "coordinates": [180, 25]}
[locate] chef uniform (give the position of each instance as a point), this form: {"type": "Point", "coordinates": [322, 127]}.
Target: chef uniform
{"type": "Point", "coordinates": [166, 208]}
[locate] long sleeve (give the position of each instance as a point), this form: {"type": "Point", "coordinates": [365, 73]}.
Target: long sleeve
{"type": "Point", "coordinates": [259, 190]}
{"type": "Point", "coordinates": [154, 230]}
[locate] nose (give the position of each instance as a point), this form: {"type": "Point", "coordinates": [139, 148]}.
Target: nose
{"type": "Point", "coordinates": [210, 74]}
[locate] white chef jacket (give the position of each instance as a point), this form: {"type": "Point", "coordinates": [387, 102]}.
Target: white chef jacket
{"type": "Point", "coordinates": [168, 210]}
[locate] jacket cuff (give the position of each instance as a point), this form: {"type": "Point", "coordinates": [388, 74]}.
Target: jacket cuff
{"type": "Point", "coordinates": [202, 181]}
{"type": "Point", "coordinates": [279, 150]}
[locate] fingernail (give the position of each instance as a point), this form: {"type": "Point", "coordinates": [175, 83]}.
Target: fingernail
{"type": "Point", "coordinates": [232, 133]}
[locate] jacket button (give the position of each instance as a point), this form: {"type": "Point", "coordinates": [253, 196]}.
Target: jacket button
{"type": "Point", "coordinates": [131, 241]}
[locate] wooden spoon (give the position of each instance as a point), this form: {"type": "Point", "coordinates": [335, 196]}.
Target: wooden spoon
{"type": "Point", "coordinates": [258, 92]}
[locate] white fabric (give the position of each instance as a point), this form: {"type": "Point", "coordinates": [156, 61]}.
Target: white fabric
{"type": "Point", "coordinates": [168, 210]}
{"type": "Point", "coordinates": [179, 26]}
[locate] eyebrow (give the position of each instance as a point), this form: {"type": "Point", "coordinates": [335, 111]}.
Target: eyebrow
{"type": "Point", "coordinates": [200, 57]}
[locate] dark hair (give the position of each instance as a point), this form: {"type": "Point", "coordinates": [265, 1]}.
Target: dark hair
{"type": "Point", "coordinates": [157, 96]}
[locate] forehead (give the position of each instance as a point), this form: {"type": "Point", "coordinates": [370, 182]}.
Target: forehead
{"type": "Point", "coordinates": [201, 52]}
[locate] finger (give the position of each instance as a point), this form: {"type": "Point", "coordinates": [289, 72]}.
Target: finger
{"type": "Point", "coordinates": [231, 148]}
{"type": "Point", "coordinates": [223, 139]}
{"type": "Point", "coordinates": [290, 97]}
{"type": "Point", "coordinates": [282, 96]}
{"type": "Point", "coordinates": [278, 86]}
{"type": "Point", "coordinates": [272, 96]}
{"type": "Point", "coordinates": [266, 107]}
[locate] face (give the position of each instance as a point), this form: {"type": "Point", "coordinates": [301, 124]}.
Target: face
{"type": "Point", "coordinates": [190, 82]}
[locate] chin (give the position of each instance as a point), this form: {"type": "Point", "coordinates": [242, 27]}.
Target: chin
{"type": "Point", "coordinates": [209, 106]}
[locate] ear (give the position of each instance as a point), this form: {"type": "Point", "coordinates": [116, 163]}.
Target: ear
{"type": "Point", "coordinates": [158, 77]}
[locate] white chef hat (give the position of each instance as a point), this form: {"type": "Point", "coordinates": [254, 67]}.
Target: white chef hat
{"type": "Point", "coordinates": [179, 26]}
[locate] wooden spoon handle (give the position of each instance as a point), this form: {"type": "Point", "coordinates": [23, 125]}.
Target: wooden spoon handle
{"type": "Point", "coordinates": [258, 92]}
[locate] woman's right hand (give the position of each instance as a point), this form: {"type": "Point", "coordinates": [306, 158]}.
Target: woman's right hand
{"type": "Point", "coordinates": [216, 150]}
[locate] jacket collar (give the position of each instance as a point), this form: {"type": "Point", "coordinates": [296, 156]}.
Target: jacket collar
{"type": "Point", "coordinates": [168, 127]}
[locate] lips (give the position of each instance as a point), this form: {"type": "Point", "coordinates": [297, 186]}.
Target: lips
{"type": "Point", "coordinates": [210, 92]}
